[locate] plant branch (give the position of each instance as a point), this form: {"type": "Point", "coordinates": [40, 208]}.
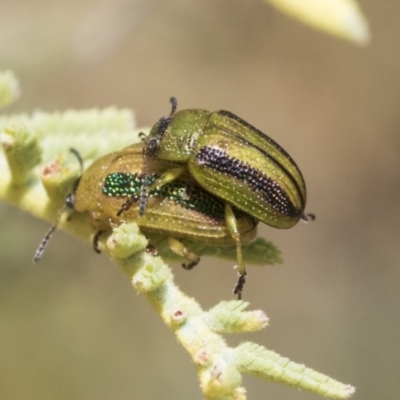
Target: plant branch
{"type": "Point", "coordinates": [37, 172]}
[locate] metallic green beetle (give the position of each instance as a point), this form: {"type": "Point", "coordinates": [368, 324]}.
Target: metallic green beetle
{"type": "Point", "coordinates": [232, 160]}
{"type": "Point", "coordinates": [110, 191]}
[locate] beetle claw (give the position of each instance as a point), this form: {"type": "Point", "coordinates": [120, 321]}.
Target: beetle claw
{"type": "Point", "coordinates": [308, 217]}
{"type": "Point", "coordinates": [152, 250]}
{"type": "Point", "coordinates": [96, 238]}
{"type": "Point", "coordinates": [126, 206]}
{"type": "Point", "coordinates": [191, 265]}
{"type": "Point", "coordinates": [238, 289]}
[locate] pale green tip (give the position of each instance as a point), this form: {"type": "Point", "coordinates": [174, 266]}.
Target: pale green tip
{"type": "Point", "coordinates": [22, 150]}
{"type": "Point", "coordinates": [341, 18]}
{"type": "Point", "coordinates": [9, 88]}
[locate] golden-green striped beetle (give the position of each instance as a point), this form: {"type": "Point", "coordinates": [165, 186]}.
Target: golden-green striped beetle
{"type": "Point", "coordinates": [109, 190]}
{"type": "Point", "coordinates": [232, 160]}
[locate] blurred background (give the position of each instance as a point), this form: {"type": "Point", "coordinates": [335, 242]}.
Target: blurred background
{"type": "Point", "coordinates": [73, 328]}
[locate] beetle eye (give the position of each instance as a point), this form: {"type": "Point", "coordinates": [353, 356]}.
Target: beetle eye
{"type": "Point", "coordinates": [152, 146]}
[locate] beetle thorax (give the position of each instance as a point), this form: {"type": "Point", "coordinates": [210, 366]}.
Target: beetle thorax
{"type": "Point", "coordinates": [181, 135]}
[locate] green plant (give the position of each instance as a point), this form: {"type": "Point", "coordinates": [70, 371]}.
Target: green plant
{"type": "Point", "coordinates": [44, 139]}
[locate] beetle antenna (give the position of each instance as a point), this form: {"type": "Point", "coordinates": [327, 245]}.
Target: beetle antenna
{"type": "Point", "coordinates": [43, 244]}
{"type": "Point", "coordinates": [69, 202]}
{"type": "Point", "coordinates": [142, 136]}
{"type": "Point", "coordinates": [174, 104]}
{"type": "Point", "coordinates": [143, 192]}
{"type": "Point", "coordinates": [149, 149]}
{"type": "Point", "coordinates": [78, 156]}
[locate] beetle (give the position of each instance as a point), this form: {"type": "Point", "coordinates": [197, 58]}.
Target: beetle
{"type": "Point", "coordinates": [109, 190]}
{"type": "Point", "coordinates": [231, 159]}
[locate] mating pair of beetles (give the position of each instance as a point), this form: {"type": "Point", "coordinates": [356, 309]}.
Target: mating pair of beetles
{"type": "Point", "coordinates": [205, 176]}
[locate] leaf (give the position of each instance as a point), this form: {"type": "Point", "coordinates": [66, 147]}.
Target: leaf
{"type": "Point", "coordinates": [341, 18]}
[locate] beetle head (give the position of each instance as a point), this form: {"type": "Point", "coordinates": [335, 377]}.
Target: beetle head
{"type": "Point", "coordinates": [156, 136]}
{"type": "Point", "coordinates": [157, 133]}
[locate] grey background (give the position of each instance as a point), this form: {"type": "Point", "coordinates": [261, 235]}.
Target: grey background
{"type": "Point", "coordinates": [72, 327]}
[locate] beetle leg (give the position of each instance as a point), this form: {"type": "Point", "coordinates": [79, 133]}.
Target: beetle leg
{"type": "Point", "coordinates": [178, 248]}
{"type": "Point", "coordinates": [167, 177]}
{"type": "Point", "coordinates": [96, 239]}
{"type": "Point", "coordinates": [126, 206]}
{"type": "Point", "coordinates": [151, 249]}
{"type": "Point", "coordinates": [231, 223]}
